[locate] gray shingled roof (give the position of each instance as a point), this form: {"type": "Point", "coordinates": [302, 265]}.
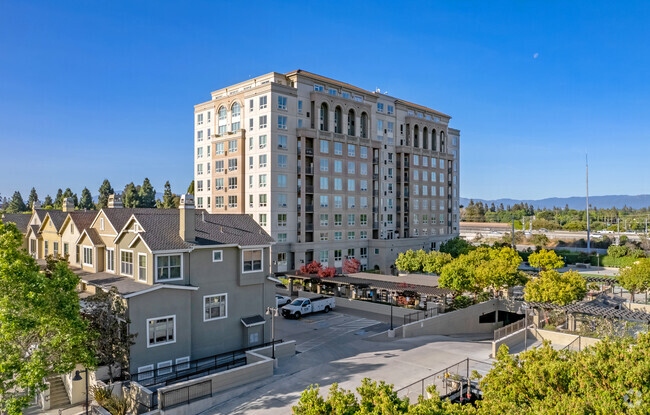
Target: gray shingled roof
{"type": "Point", "coordinates": [57, 217]}
{"type": "Point", "coordinates": [35, 229]}
{"type": "Point", "coordinates": [21, 220]}
{"type": "Point", "coordinates": [93, 235]}
{"type": "Point", "coordinates": [40, 213]}
{"type": "Point", "coordinates": [119, 216]}
{"type": "Point", "coordinates": [82, 219]}
{"type": "Point", "coordinates": [162, 229]}
{"type": "Point", "coordinates": [124, 285]}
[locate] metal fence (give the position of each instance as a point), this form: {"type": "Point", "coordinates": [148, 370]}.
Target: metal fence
{"type": "Point", "coordinates": [418, 315]}
{"type": "Point", "coordinates": [185, 394]}
{"type": "Point", "coordinates": [509, 329]}
{"type": "Point", "coordinates": [196, 368]}
{"type": "Point", "coordinates": [456, 382]}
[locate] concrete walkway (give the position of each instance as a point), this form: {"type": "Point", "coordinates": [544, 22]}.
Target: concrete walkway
{"type": "Point", "coordinates": [77, 409]}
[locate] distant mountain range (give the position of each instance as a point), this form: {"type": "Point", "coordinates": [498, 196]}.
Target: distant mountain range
{"type": "Point", "coordinates": [574, 202]}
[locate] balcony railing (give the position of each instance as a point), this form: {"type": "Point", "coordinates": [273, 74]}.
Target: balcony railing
{"type": "Point", "coordinates": [309, 208]}
{"type": "Point", "coordinates": [309, 151]}
{"type": "Point", "coordinates": [309, 227]}
{"type": "Point", "coordinates": [309, 189]}
{"type": "Point", "coordinates": [375, 225]}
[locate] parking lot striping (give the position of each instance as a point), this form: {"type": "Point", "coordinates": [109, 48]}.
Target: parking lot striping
{"type": "Point", "coordinates": [336, 331]}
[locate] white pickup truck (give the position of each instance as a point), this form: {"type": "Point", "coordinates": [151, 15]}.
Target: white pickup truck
{"type": "Point", "coordinates": [302, 306]}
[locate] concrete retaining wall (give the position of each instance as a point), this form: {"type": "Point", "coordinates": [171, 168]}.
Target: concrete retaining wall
{"type": "Point", "coordinates": [362, 305]}
{"type": "Point", "coordinates": [563, 339]}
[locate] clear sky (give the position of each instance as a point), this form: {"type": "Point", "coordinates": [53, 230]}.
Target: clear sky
{"type": "Point", "coordinates": [105, 89]}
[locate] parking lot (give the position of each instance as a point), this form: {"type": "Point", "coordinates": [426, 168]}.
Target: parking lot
{"type": "Point", "coordinates": [338, 347]}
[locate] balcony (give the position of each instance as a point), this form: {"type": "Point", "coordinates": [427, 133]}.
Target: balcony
{"type": "Point", "coordinates": [309, 151]}
{"type": "Point", "coordinates": [309, 227]}
{"type": "Point", "coordinates": [375, 160]}
{"type": "Point", "coordinates": [399, 209]}
{"type": "Point", "coordinates": [309, 189]}
{"type": "Point", "coordinates": [375, 176]}
{"type": "Point", "coordinates": [375, 209]}
{"type": "Point", "coordinates": [309, 170]}
{"type": "Point", "coordinates": [309, 208]}
{"type": "Point", "coordinates": [375, 193]}
{"type": "Point", "coordinates": [375, 225]}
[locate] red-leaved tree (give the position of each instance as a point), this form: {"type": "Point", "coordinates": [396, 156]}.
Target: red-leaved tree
{"type": "Point", "coordinates": [351, 266]}
{"type": "Point", "coordinates": [311, 268]}
{"type": "Point", "coordinates": [328, 272]}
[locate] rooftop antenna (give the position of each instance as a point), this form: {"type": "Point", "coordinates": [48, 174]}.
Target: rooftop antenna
{"type": "Point", "coordinates": [588, 228]}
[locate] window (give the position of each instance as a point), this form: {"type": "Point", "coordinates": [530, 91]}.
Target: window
{"type": "Point", "coordinates": [324, 183]}
{"type": "Point", "coordinates": [250, 201]}
{"type": "Point", "coordinates": [416, 160]}
{"type": "Point", "coordinates": [338, 149]}
{"type": "Point", "coordinates": [442, 163]}
{"type": "Point", "coordinates": [250, 105]}
{"type": "Point", "coordinates": [324, 165]}
{"type": "Point", "coordinates": [262, 199]}
{"type": "Point", "coordinates": [282, 237]}
{"type": "Point", "coordinates": [55, 246]}
{"type": "Point", "coordinates": [262, 180]}
{"type": "Point", "coordinates": [363, 253]}
{"type": "Point", "coordinates": [199, 185]}
{"type": "Point", "coordinates": [351, 150]}
{"type": "Point", "coordinates": [218, 148]}
{"type": "Point", "coordinates": [235, 126]}
{"type": "Point", "coordinates": [351, 167]}
{"type": "Point", "coordinates": [363, 235]}
{"type": "Point", "coordinates": [338, 202]}
{"type": "Point", "coordinates": [318, 88]}
{"type": "Point", "coordinates": [169, 267]}
{"type": "Point", "coordinates": [324, 146]}
{"type": "Point", "coordinates": [145, 372]}
{"type": "Point", "coordinates": [390, 109]}
{"type": "Point", "coordinates": [350, 185]}
{"type": "Point", "coordinates": [262, 102]}
{"type": "Point", "coordinates": [232, 183]}
{"type": "Point", "coordinates": [363, 152]}
{"type": "Point", "coordinates": [262, 219]}
{"type": "Point", "coordinates": [282, 219]}
{"type": "Point", "coordinates": [282, 141]}
{"type": "Point", "coordinates": [199, 169]}
{"type": "Point", "coordinates": [338, 255]}
{"type": "Point", "coordinates": [380, 107]}
{"type": "Point", "coordinates": [282, 102]}
{"type": "Point", "coordinates": [262, 141]}
{"type": "Point", "coordinates": [236, 110]}
{"type": "Point", "coordinates": [350, 235]}
{"type": "Point", "coordinates": [252, 260]}
{"type": "Point", "coordinates": [338, 183]}
{"type": "Point", "coordinates": [363, 202]}
{"type": "Point", "coordinates": [218, 201]}
{"type": "Point", "coordinates": [299, 107]}
{"type": "Point", "coordinates": [282, 160]}
{"type": "Point", "coordinates": [282, 180]}
{"type": "Point", "coordinates": [363, 185]}
{"type": "Point", "coordinates": [363, 168]}
{"type": "Point", "coordinates": [161, 330]}
{"type": "Point", "coordinates": [215, 307]}
{"type": "Point", "coordinates": [232, 201]}
{"type": "Point", "coordinates": [380, 129]}
{"type": "Point", "coordinates": [338, 219]}
{"type": "Point", "coordinates": [199, 119]}
{"type": "Point", "coordinates": [363, 219]}
{"type": "Point", "coordinates": [88, 255]}
{"type": "Point", "coordinates": [324, 201]}
{"type": "Point", "coordinates": [218, 184]}
{"type": "Point", "coordinates": [338, 166]}
{"type": "Point", "coordinates": [333, 91]}
{"type": "Point", "coordinates": [250, 124]}
{"type": "Point", "coordinates": [142, 267]}
{"type": "Point", "coordinates": [323, 236]}
{"type": "Point", "coordinates": [66, 246]}
{"type": "Point", "coordinates": [350, 253]}
{"type": "Point", "coordinates": [263, 122]}
{"type": "Point", "coordinates": [351, 220]}
{"type": "Point", "coordinates": [390, 127]}
{"type": "Point", "coordinates": [324, 219]}
{"type": "Point", "coordinates": [282, 122]}
{"type": "Point", "coordinates": [282, 200]}
{"type": "Point", "coordinates": [217, 255]}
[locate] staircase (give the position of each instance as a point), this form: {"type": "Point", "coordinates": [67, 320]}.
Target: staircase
{"type": "Point", "coordinates": [58, 395]}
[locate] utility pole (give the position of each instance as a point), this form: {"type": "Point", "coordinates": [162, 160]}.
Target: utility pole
{"type": "Point", "coordinates": [588, 229]}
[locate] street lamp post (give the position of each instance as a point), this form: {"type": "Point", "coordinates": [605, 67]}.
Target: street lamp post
{"type": "Point", "coordinates": [77, 377]}
{"type": "Point", "coordinates": [273, 312]}
{"type": "Point", "coordinates": [391, 311]}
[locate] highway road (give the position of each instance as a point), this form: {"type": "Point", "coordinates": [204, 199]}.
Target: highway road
{"type": "Point", "coordinates": [562, 235]}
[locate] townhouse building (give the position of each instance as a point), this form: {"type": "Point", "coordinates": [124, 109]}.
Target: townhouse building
{"type": "Point", "coordinates": [195, 284]}
{"type": "Point", "coordinates": [328, 169]}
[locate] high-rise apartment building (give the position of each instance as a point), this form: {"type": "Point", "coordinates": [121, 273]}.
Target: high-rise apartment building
{"type": "Point", "coordinates": [328, 169]}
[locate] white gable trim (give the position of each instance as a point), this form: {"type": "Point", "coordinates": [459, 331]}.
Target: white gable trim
{"type": "Point", "coordinates": [160, 287]}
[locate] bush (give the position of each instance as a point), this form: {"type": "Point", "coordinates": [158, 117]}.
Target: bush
{"type": "Point", "coordinates": [461, 302]}
{"type": "Point", "coordinates": [311, 268]}
{"type": "Point", "coordinates": [328, 272]}
{"type": "Point", "coordinates": [622, 262]}
{"type": "Point", "coordinates": [619, 251]}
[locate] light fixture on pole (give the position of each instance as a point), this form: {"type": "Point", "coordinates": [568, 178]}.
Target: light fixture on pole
{"type": "Point", "coordinates": [273, 312]}
{"type": "Point", "coordinates": [77, 377]}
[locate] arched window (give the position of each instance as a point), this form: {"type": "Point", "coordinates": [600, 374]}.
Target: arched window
{"type": "Point", "coordinates": [236, 109]}
{"type": "Point", "coordinates": [324, 117]}
{"type": "Point", "coordinates": [351, 116]}
{"type": "Point", "coordinates": [416, 139]}
{"type": "Point", "coordinates": [434, 138]}
{"type": "Point", "coordinates": [364, 125]}
{"type": "Point", "coordinates": [338, 120]}
{"type": "Point", "coordinates": [222, 113]}
{"type": "Point", "coordinates": [425, 138]}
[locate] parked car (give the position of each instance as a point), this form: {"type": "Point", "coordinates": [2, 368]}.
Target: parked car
{"type": "Point", "coordinates": [281, 300]}
{"type": "Point", "coordinates": [302, 306]}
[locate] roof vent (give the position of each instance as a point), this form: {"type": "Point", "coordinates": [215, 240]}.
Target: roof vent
{"type": "Point", "coordinates": [203, 216]}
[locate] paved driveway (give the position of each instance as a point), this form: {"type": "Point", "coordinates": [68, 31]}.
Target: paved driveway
{"type": "Point", "coordinates": [337, 347]}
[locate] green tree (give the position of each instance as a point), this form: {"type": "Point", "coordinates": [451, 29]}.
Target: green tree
{"type": "Point", "coordinates": [68, 193]}
{"type": "Point", "coordinates": [635, 278]}
{"type": "Point", "coordinates": [86, 200]}
{"type": "Point", "coordinates": [617, 251]}
{"type": "Point", "coordinates": [58, 200]}
{"type": "Point", "coordinates": [554, 287]}
{"type": "Point", "coordinates": [459, 276]}
{"type": "Point", "coordinates": [48, 201]}
{"type": "Point", "coordinates": [105, 190]}
{"type": "Point", "coordinates": [16, 204]}
{"type": "Point", "coordinates": [42, 332]}
{"type": "Point", "coordinates": [435, 261]}
{"type": "Point", "coordinates": [147, 195]}
{"type": "Point", "coordinates": [168, 197]}
{"type": "Point", "coordinates": [190, 188]}
{"type": "Point", "coordinates": [75, 200]}
{"type": "Point", "coordinates": [501, 270]}
{"type": "Point", "coordinates": [130, 197]}
{"type": "Point", "coordinates": [540, 240]}
{"type": "Point", "coordinates": [33, 197]}
{"type": "Point", "coordinates": [456, 247]}
{"type": "Point", "coordinates": [408, 261]}
{"type": "Point", "coordinates": [106, 314]}
{"type": "Point", "coordinates": [545, 260]}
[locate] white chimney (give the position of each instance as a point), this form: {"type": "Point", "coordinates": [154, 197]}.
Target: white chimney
{"type": "Point", "coordinates": [68, 205]}
{"type": "Point", "coordinates": [187, 227]}
{"type": "Point", "coordinates": [114, 201]}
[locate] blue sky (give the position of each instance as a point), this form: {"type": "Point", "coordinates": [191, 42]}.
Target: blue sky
{"type": "Point", "coordinates": [94, 90]}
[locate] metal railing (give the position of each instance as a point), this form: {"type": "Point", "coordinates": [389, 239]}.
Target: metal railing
{"type": "Point", "coordinates": [200, 367]}
{"type": "Point", "coordinates": [418, 315]}
{"type": "Point", "coordinates": [455, 382]}
{"type": "Point", "coordinates": [509, 329]}
{"type": "Point", "coordinates": [185, 394]}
